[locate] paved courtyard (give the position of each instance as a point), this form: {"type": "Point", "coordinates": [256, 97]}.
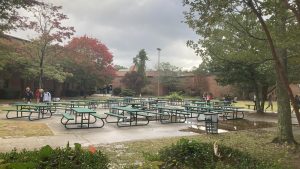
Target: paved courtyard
{"type": "Point", "coordinates": [110, 133]}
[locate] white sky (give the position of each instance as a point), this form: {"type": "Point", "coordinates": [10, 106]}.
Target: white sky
{"type": "Point", "coordinates": [126, 26]}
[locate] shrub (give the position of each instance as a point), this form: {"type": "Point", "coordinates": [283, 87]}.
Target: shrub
{"type": "Point", "coordinates": [127, 92]}
{"type": "Point", "coordinates": [117, 91]}
{"type": "Point", "coordinates": [47, 157]}
{"type": "Point", "coordinates": [197, 155]}
{"type": "Point", "coordinates": [91, 92]}
{"type": "Point", "coordinates": [175, 96]}
{"type": "Point", "coordinates": [147, 91]}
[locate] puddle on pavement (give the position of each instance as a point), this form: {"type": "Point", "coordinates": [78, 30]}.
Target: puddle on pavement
{"type": "Point", "coordinates": [243, 124]}
{"type": "Point", "coordinates": [231, 125]}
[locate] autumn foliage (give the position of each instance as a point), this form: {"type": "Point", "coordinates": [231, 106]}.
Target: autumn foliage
{"type": "Point", "coordinates": [92, 58]}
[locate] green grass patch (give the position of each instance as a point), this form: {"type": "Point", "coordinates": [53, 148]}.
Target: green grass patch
{"type": "Point", "coordinates": [256, 143]}
{"type": "Point", "coordinates": [192, 154]}
{"type": "Point", "coordinates": [245, 102]}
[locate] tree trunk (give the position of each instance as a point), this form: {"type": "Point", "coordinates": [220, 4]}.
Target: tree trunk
{"type": "Point", "coordinates": [285, 133]}
{"type": "Point", "coordinates": [259, 109]}
{"type": "Point", "coordinates": [264, 93]}
{"type": "Point", "coordinates": [284, 130]}
{"type": "Point", "coordinates": [43, 52]}
{"type": "Point", "coordinates": [261, 96]}
{"type": "Point", "coordinates": [41, 73]}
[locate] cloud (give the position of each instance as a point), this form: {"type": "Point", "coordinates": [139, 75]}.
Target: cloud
{"type": "Point", "coordinates": [126, 26]}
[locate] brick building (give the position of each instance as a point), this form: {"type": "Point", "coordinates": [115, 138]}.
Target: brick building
{"type": "Point", "coordinates": [188, 82]}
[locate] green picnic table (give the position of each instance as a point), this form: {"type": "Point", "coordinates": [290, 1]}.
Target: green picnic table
{"type": "Point", "coordinates": [176, 114]}
{"type": "Point", "coordinates": [132, 119]}
{"type": "Point", "coordinates": [234, 111]}
{"type": "Point", "coordinates": [85, 121]}
{"type": "Point", "coordinates": [200, 103]}
{"type": "Point", "coordinates": [192, 109]}
{"type": "Point", "coordinates": [43, 111]}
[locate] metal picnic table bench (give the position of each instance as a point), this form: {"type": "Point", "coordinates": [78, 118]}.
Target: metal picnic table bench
{"type": "Point", "coordinates": [30, 108]}
{"type": "Point", "coordinates": [176, 114]}
{"type": "Point", "coordinates": [131, 120]}
{"type": "Point", "coordinates": [235, 111]}
{"type": "Point", "coordinates": [191, 109]}
{"type": "Point", "coordinates": [85, 121]}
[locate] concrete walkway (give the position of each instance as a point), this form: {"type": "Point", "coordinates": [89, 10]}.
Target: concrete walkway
{"type": "Point", "coordinates": [110, 133]}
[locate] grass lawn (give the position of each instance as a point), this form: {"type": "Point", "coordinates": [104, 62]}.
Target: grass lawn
{"type": "Point", "coordinates": [14, 128]}
{"type": "Point", "coordinates": [256, 142]}
{"type": "Point", "coordinates": [10, 128]}
{"type": "Point", "coordinates": [244, 103]}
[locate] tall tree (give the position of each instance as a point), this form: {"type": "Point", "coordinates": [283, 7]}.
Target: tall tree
{"type": "Point", "coordinates": [137, 79]}
{"type": "Point", "coordinates": [47, 21]}
{"type": "Point", "coordinates": [279, 55]}
{"type": "Point", "coordinates": [90, 62]}
{"type": "Point", "coordinates": [140, 62]}
{"type": "Point", "coordinates": [208, 17]}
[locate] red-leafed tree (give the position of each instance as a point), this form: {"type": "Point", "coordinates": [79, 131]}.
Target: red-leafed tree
{"type": "Point", "coordinates": [90, 62]}
{"type": "Point", "coordinates": [46, 20]}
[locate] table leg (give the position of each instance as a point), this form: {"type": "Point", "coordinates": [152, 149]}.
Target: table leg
{"type": "Point", "coordinates": [135, 118]}
{"type": "Point", "coordinates": [88, 120]}
{"type": "Point", "coordinates": [81, 120]}
{"type": "Point", "coordinates": [39, 114]}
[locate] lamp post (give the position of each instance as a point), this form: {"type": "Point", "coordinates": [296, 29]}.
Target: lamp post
{"type": "Point", "coordinates": [158, 70]}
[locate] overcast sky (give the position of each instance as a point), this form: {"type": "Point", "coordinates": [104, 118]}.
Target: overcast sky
{"type": "Point", "coordinates": [126, 26]}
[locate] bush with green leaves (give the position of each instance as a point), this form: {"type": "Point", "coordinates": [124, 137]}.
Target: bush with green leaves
{"type": "Point", "coordinates": [117, 91]}
{"type": "Point", "coordinates": [186, 154]}
{"type": "Point", "coordinates": [175, 96]}
{"type": "Point", "coordinates": [59, 158]}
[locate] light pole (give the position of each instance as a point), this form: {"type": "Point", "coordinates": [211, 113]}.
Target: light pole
{"type": "Point", "coordinates": [158, 70]}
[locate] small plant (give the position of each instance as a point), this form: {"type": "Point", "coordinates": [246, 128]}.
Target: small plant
{"type": "Point", "coordinates": [175, 96]}
{"type": "Point", "coordinates": [62, 158]}
{"type": "Point", "coordinates": [117, 91]}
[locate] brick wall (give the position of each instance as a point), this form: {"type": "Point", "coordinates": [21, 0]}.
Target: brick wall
{"type": "Point", "coordinates": [188, 82]}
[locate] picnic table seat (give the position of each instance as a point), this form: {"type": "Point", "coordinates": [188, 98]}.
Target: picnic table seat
{"type": "Point", "coordinates": [17, 113]}
{"type": "Point", "coordinates": [67, 119]}
{"type": "Point", "coordinates": [234, 114]}
{"type": "Point", "coordinates": [125, 121]}
{"type": "Point", "coordinates": [154, 115]}
{"type": "Point", "coordinates": [113, 114]}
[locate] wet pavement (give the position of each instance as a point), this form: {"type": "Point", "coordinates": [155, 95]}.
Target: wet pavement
{"type": "Point", "coordinates": [110, 133]}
